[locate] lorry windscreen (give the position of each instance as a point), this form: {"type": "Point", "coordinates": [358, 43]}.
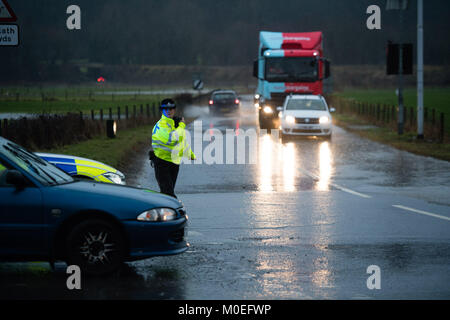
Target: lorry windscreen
{"type": "Point", "coordinates": [291, 69]}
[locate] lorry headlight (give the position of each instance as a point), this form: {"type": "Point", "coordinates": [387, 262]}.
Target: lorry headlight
{"type": "Point", "coordinates": [157, 215]}
{"type": "Point", "coordinates": [324, 120]}
{"type": "Point", "coordinates": [290, 119]}
{"type": "Point", "coordinates": [267, 109]}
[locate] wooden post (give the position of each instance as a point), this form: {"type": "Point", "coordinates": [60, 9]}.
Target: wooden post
{"type": "Point", "coordinates": [405, 109]}
{"type": "Point", "coordinates": [411, 116]}
{"type": "Point", "coordinates": [5, 128]}
{"type": "Point", "coordinates": [126, 112]}
{"type": "Point", "coordinates": [110, 113]}
{"type": "Point", "coordinates": [118, 113]}
{"type": "Point", "coordinates": [92, 114]}
{"type": "Point", "coordinates": [101, 115]}
{"type": "Point", "coordinates": [441, 128]}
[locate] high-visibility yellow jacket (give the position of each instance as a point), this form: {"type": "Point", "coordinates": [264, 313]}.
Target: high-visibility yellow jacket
{"type": "Point", "coordinates": [169, 143]}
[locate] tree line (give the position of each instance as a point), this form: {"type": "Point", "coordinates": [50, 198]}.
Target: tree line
{"type": "Point", "coordinates": [204, 32]}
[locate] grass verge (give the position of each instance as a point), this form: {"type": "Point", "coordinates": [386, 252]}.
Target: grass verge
{"type": "Point", "coordinates": [407, 141]}
{"type": "Point", "coordinates": [110, 151]}
{"type": "Point", "coordinates": [114, 152]}
{"type": "Point", "coordinates": [434, 98]}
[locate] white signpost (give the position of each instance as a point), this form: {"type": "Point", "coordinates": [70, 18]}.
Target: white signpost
{"type": "Point", "coordinates": [197, 84]}
{"type": "Point", "coordinates": [9, 33]}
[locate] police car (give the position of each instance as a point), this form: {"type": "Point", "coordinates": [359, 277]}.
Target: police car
{"type": "Point", "coordinates": [84, 168]}
{"type": "Point", "coordinates": [47, 215]}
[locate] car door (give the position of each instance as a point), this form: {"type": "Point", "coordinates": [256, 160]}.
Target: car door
{"type": "Point", "coordinates": [22, 228]}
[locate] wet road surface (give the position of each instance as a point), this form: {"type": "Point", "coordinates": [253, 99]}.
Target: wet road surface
{"type": "Point", "coordinates": [304, 221]}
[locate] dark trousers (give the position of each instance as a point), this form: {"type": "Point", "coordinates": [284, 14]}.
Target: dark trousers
{"type": "Point", "coordinates": [166, 174]}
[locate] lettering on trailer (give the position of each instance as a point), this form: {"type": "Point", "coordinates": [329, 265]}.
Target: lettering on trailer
{"type": "Point", "coordinates": [6, 12]}
{"type": "Point", "coordinates": [9, 35]}
{"type": "Point", "coordinates": [297, 38]}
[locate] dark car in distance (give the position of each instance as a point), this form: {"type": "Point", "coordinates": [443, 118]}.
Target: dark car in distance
{"type": "Point", "coordinates": [46, 215]}
{"type": "Point", "coordinates": [222, 101]}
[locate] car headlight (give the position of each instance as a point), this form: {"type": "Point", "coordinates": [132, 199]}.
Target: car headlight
{"type": "Point", "coordinates": [267, 109]}
{"type": "Point", "coordinates": [158, 215]}
{"type": "Point", "coordinates": [290, 119]}
{"type": "Point", "coordinates": [324, 120]}
{"type": "Point", "coordinates": [257, 96]}
{"type": "Point", "coordinates": [117, 178]}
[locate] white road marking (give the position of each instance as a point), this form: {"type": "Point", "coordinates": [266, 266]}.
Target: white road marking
{"type": "Point", "coordinates": [350, 191]}
{"type": "Point", "coordinates": [421, 212]}
{"type": "Point", "coordinates": [315, 177]}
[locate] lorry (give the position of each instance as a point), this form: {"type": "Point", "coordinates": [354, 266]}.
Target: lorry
{"type": "Point", "coordinates": [288, 63]}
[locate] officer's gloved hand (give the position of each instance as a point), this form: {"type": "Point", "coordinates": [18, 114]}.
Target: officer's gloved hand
{"type": "Point", "coordinates": [177, 121]}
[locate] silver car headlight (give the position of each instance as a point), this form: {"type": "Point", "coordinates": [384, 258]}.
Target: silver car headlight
{"type": "Point", "coordinates": [117, 178]}
{"type": "Point", "coordinates": [324, 120]}
{"type": "Point", "coordinates": [290, 119]}
{"type": "Point", "coordinates": [158, 215]}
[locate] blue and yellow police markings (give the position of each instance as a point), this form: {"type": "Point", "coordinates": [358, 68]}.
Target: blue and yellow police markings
{"type": "Point", "coordinates": [82, 167]}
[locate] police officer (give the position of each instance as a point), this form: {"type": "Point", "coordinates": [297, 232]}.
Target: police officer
{"type": "Point", "coordinates": [169, 146]}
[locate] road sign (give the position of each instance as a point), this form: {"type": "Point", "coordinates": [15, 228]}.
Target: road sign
{"type": "Point", "coordinates": [393, 58]}
{"type": "Point", "coordinates": [6, 13]}
{"type": "Point", "coordinates": [198, 84]}
{"type": "Point", "coordinates": [9, 35]}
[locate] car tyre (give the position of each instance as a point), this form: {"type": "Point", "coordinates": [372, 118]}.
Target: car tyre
{"type": "Point", "coordinates": [96, 246]}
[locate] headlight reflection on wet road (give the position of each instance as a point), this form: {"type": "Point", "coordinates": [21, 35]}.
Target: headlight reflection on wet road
{"type": "Point", "coordinates": [266, 163]}
{"type": "Point", "coordinates": [325, 166]}
{"type": "Point", "coordinates": [277, 165]}
{"type": "Point", "coordinates": [289, 167]}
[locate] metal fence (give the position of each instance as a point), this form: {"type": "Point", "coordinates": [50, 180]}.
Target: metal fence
{"type": "Point", "coordinates": [384, 115]}
{"type": "Point", "coordinates": [48, 131]}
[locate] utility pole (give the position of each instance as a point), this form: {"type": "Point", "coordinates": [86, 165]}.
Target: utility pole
{"type": "Point", "coordinates": [399, 5]}
{"type": "Point", "coordinates": [400, 117]}
{"type": "Point", "coordinates": [420, 69]}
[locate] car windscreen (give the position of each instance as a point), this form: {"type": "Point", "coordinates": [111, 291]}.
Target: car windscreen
{"type": "Point", "coordinates": [291, 69]}
{"type": "Point", "coordinates": [40, 169]}
{"type": "Point", "coordinates": [224, 96]}
{"type": "Point", "coordinates": [306, 104]}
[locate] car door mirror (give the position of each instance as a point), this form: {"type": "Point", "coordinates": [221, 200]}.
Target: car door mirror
{"type": "Point", "coordinates": [279, 108]}
{"type": "Point", "coordinates": [15, 178]}
{"type": "Point", "coordinates": [332, 109]}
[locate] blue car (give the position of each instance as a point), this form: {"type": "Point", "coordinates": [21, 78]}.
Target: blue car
{"type": "Point", "coordinates": [46, 215]}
